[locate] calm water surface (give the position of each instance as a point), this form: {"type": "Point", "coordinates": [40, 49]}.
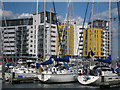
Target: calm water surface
{"type": "Point", "coordinates": [65, 85]}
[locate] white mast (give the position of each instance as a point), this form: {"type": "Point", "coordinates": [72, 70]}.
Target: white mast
{"type": "Point", "coordinates": [110, 29]}
{"type": "Point", "coordinates": [44, 28]}
{"type": "Point", "coordinates": [5, 26]}
{"type": "Point", "coordinates": [37, 21]}
{"type": "Point", "coordinates": [50, 32]}
{"type": "Point", "coordinates": [37, 8]}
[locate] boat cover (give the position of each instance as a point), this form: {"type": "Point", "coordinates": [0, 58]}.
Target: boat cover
{"type": "Point", "coordinates": [117, 70]}
{"type": "Point", "coordinates": [66, 59]}
{"type": "Point", "coordinates": [91, 54]}
{"type": "Point", "coordinates": [108, 60]}
{"type": "Point", "coordinates": [47, 62]}
{"type": "Point", "coordinates": [67, 66]}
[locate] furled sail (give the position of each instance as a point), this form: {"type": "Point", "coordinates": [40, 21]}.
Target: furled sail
{"type": "Point", "coordinates": [66, 59]}
{"type": "Point", "coordinates": [108, 60]}
{"type": "Point", "coordinates": [47, 62]}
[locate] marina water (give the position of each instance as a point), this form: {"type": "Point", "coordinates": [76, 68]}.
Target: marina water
{"type": "Point", "coordinates": [38, 85]}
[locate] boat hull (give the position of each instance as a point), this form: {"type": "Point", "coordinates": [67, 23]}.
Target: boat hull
{"type": "Point", "coordinates": [21, 75]}
{"type": "Point", "coordinates": [57, 78]}
{"type": "Point", "coordinates": [108, 80]}
{"type": "Point", "coordinates": [86, 80]}
{"type": "Point", "coordinates": [100, 80]}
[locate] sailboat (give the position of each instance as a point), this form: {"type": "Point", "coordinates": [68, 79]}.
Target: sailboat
{"type": "Point", "coordinates": [59, 73]}
{"type": "Point", "coordinates": [100, 75]}
{"type": "Point", "coordinates": [22, 72]}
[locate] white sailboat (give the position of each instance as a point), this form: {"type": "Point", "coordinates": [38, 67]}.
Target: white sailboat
{"type": "Point", "coordinates": [60, 73]}
{"type": "Point", "coordinates": [58, 76]}
{"type": "Point", "coordinates": [105, 76]}
{"type": "Point", "coordinates": [22, 71]}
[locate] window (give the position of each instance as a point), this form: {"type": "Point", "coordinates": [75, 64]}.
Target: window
{"type": "Point", "coordinates": [30, 45]}
{"type": "Point", "coordinates": [53, 32]}
{"type": "Point", "coordinates": [30, 50]}
{"type": "Point", "coordinates": [52, 45]}
{"type": "Point", "coordinates": [102, 53]}
{"type": "Point", "coordinates": [94, 44]}
{"type": "Point", "coordinates": [53, 27]}
{"type": "Point", "coordinates": [31, 41]}
{"type": "Point", "coordinates": [94, 49]}
{"type": "Point", "coordinates": [52, 41]}
{"type": "Point", "coordinates": [101, 49]}
{"type": "Point", "coordinates": [31, 31]}
{"type": "Point", "coordinates": [95, 31]}
{"type": "Point", "coordinates": [102, 41]}
{"type": "Point", "coordinates": [102, 36]}
{"type": "Point", "coordinates": [52, 50]}
{"type": "Point", "coordinates": [102, 45]}
{"type": "Point", "coordinates": [102, 32]}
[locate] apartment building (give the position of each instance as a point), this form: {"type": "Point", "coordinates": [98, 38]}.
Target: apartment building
{"type": "Point", "coordinates": [63, 30]}
{"type": "Point", "coordinates": [27, 37]}
{"type": "Point", "coordinates": [99, 41]}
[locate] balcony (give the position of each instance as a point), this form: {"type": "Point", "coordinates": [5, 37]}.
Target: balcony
{"type": "Point", "coordinates": [9, 35]}
{"type": "Point", "coordinates": [53, 48]}
{"type": "Point", "coordinates": [53, 39]}
{"type": "Point", "coordinates": [9, 39]}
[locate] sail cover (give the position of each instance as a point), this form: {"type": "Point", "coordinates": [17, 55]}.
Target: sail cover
{"type": "Point", "coordinates": [66, 59]}
{"type": "Point", "coordinates": [117, 70]}
{"type": "Point", "coordinates": [67, 67]}
{"type": "Point", "coordinates": [91, 54]}
{"type": "Point", "coordinates": [108, 60]}
{"type": "Point", "coordinates": [47, 62]}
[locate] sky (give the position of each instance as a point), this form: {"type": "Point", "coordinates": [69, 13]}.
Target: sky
{"type": "Point", "coordinates": [76, 12]}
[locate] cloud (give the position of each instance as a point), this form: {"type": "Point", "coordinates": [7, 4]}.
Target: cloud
{"type": "Point", "coordinates": [77, 19]}
{"type": "Point", "coordinates": [105, 14]}
{"type": "Point", "coordinates": [60, 18]}
{"type": "Point", "coordinates": [10, 15]}
{"type": "Point", "coordinates": [25, 15]}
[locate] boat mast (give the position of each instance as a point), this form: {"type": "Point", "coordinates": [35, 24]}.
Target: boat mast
{"type": "Point", "coordinates": [92, 22]}
{"type": "Point", "coordinates": [6, 29]}
{"type": "Point", "coordinates": [44, 28]}
{"type": "Point", "coordinates": [110, 29]}
{"type": "Point", "coordinates": [37, 21]}
{"type": "Point", "coordinates": [37, 8]}
{"type": "Point", "coordinates": [68, 39]}
{"type": "Point", "coordinates": [50, 31]}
